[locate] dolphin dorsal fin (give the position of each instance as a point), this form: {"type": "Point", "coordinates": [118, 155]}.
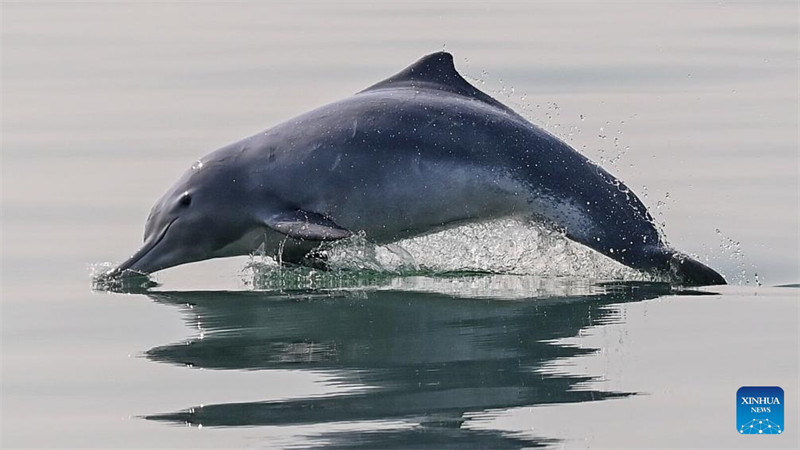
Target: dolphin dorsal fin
{"type": "Point", "coordinates": [435, 71]}
{"type": "Point", "coordinates": [436, 68]}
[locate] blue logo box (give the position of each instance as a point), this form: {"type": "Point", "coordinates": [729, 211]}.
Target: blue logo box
{"type": "Point", "coordinates": [759, 410]}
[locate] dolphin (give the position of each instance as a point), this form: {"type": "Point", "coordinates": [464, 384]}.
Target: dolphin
{"type": "Point", "coordinates": [418, 152]}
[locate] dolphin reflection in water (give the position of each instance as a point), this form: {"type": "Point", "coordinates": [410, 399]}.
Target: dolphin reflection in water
{"type": "Point", "coordinates": [424, 358]}
{"type": "Point", "coordinates": [418, 152]}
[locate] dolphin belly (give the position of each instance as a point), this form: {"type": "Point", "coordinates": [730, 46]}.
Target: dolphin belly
{"type": "Point", "coordinates": [426, 198]}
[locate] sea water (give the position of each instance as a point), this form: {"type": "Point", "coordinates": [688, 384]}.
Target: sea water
{"type": "Point", "coordinates": [494, 335]}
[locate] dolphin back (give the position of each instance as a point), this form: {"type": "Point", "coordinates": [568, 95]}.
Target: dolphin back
{"type": "Point", "coordinates": [424, 149]}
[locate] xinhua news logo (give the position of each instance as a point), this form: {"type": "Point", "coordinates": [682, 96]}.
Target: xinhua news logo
{"type": "Point", "coordinates": [759, 410]}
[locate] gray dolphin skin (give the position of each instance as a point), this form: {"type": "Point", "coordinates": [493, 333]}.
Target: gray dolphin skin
{"type": "Point", "coordinates": [418, 152]}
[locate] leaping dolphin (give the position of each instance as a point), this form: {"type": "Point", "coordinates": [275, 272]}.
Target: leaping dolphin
{"type": "Point", "coordinates": [417, 152]}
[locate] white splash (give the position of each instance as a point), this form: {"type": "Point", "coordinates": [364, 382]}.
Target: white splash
{"type": "Point", "coordinates": [503, 246]}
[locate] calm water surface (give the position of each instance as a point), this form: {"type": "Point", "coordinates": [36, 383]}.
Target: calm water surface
{"type": "Point", "coordinates": [694, 105]}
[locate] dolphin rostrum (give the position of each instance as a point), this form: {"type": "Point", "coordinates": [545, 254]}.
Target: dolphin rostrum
{"type": "Point", "coordinates": [417, 152]}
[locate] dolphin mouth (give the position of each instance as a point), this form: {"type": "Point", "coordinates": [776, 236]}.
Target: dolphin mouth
{"type": "Point", "coordinates": [126, 268]}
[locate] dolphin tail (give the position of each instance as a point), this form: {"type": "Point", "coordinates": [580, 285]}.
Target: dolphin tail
{"type": "Point", "coordinates": [682, 268]}
{"type": "Point", "coordinates": [692, 272]}
{"type": "Point", "coordinates": [658, 259]}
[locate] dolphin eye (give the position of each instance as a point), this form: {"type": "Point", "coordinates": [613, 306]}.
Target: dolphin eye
{"type": "Point", "coordinates": [185, 199]}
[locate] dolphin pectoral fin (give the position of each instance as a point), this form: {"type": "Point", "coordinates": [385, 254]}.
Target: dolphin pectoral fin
{"type": "Point", "coordinates": [307, 226]}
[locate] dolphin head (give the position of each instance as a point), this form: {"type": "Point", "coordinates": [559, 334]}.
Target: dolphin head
{"type": "Point", "coordinates": [201, 217]}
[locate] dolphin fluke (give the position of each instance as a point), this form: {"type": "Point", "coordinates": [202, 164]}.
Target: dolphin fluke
{"type": "Point", "coordinates": [692, 272]}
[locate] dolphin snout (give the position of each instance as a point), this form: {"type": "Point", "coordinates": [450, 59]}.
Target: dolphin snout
{"type": "Point", "coordinates": [129, 268]}
{"type": "Point", "coordinates": [143, 261]}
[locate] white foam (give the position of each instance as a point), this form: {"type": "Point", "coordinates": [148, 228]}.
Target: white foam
{"type": "Point", "coordinates": [505, 246]}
